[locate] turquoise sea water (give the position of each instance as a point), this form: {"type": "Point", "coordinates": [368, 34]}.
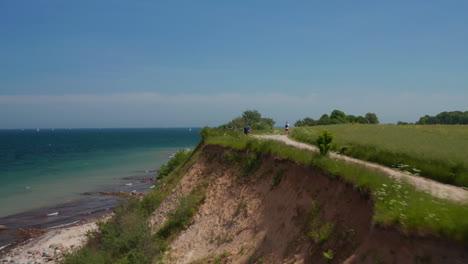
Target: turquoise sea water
{"type": "Point", "coordinates": [41, 168]}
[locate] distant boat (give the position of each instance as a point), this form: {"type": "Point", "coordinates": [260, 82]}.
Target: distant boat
{"type": "Point", "coordinates": [37, 129]}
{"type": "Point", "coordinates": [190, 129]}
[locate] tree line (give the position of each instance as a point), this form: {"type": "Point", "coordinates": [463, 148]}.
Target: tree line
{"type": "Point", "coordinates": [338, 117]}
{"type": "Point", "coordinates": [447, 118]}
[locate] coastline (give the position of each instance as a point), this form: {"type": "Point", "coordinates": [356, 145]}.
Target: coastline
{"type": "Point", "coordinates": [87, 173]}
{"type": "Point", "coordinates": [45, 234]}
{"type": "Point", "coordinates": [51, 245]}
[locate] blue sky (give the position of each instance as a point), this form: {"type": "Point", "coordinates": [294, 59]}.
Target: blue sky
{"type": "Point", "coordinates": [196, 63]}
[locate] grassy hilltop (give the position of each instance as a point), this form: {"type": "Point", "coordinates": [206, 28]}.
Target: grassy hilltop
{"type": "Point", "coordinates": [438, 152]}
{"type": "Point", "coordinates": [396, 203]}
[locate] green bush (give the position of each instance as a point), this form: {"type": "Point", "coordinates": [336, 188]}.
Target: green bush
{"type": "Point", "coordinates": [328, 254]}
{"type": "Point", "coordinates": [180, 218]}
{"type": "Point", "coordinates": [324, 142]}
{"type": "Point", "coordinates": [180, 157]}
{"type": "Point", "coordinates": [87, 255]}
{"type": "Point", "coordinates": [126, 238]}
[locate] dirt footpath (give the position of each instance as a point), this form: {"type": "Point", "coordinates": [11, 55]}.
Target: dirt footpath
{"type": "Point", "coordinates": [436, 189]}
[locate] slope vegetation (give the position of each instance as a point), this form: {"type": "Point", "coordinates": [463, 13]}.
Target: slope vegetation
{"type": "Point", "coordinates": [258, 208]}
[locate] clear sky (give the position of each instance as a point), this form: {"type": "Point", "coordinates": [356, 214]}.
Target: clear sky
{"type": "Point", "coordinates": [196, 63]}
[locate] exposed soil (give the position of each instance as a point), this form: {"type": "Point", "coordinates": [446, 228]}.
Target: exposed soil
{"type": "Point", "coordinates": [282, 212]}
{"type": "Point", "coordinates": [441, 190]}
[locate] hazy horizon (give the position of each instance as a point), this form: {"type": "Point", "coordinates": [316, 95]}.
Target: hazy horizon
{"type": "Point", "coordinates": [91, 64]}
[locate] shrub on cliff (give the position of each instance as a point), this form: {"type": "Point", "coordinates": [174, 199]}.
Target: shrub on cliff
{"type": "Point", "coordinates": [173, 163]}
{"type": "Point", "coordinates": [324, 142]}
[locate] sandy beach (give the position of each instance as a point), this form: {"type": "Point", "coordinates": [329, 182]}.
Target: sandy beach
{"type": "Point", "coordinates": [51, 245]}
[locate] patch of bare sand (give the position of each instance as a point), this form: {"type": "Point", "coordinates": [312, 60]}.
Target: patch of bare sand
{"type": "Point", "coordinates": [50, 247]}
{"type": "Point", "coordinates": [437, 189]}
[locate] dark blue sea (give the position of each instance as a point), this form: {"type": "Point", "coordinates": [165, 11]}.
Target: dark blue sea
{"type": "Point", "coordinates": [62, 171]}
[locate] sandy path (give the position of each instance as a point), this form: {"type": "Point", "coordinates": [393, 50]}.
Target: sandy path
{"type": "Point", "coordinates": [437, 189]}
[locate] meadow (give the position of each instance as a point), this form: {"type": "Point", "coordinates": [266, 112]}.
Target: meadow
{"type": "Point", "coordinates": [439, 152]}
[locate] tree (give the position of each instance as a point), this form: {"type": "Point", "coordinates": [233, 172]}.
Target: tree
{"type": "Point", "coordinates": [324, 120]}
{"type": "Point", "coordinates": [372, 118]}
{"type": "Point", "coordinates": [338, 117]}
{"type": "Point", "coordinates": [351, 118]}
{"type": "Point", "coordinates": [309, 121]}
{"type": "Point", "coordinates": [266, 123]}
{"type": "Point", "coordinates": [305, 122]}
{"type": "Point", "coordinates": [362, 120]}
{"type": "Point", "coordinates": [251, 116]}
{"type": "Point", "coordinates": [448, 118]}
{"type": "Point", "coordinates": [236, 123]}
{"type": "Point", "coordinates": [299, 123]}
{"type": "Point", "coordinates": [423, 120]}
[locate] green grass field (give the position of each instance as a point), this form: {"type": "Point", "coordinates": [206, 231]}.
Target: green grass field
{"type": "Point", "coordinates": [439, 152]}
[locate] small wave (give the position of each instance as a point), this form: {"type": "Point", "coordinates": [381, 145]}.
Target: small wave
{"type": "Point", "coordinates": [2, 247]}
{"type": "Point", "coordinates": [52, 214]}
{"type": "Point", "coordinates": [64, 225]}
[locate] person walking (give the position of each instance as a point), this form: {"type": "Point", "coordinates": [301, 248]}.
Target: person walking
{"type": "Point", "coordinates": [286, 128]}
{"type": "Point", "coordinates": [246, 130]}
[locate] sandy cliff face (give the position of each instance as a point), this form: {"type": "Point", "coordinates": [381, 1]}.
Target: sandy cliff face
{"type": "Point", "coordinates": [281, 212]}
